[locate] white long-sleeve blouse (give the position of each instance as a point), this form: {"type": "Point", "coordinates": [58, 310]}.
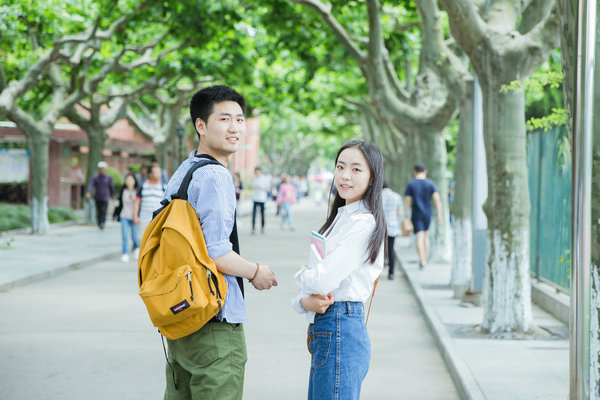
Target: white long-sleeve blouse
{"type": "Point", "coordinates": [345, 271]}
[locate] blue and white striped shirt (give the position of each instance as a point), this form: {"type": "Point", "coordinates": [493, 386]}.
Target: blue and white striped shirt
{"type": "Point", "coordinates": [212, 194]}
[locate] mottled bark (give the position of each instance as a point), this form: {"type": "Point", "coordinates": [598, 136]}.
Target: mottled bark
{"type": "Point", "coordinates": [435, 158]}
{"type": "Point", "coordinates": [462, 203]}
{"type": "Point", "coordinates": [506, 292]}
{"type": "Point", "coordinates": [500, 53]}
{"type": "Point", "coordinates": [39, 146]}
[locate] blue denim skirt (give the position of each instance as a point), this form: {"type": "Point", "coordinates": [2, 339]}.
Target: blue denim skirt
{"type": "Point", "coordinates": [341, 350]}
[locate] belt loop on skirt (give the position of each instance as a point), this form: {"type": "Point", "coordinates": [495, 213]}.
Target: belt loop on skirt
{"type": "Point", "coordinates": [349, 308]}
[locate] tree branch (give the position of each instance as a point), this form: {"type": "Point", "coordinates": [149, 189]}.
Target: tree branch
{"type": "Point", "coordinates": [544, 35]}
{"type": "Point", "coordinates": [465, 23]}
{"type": "Point", "coordinates": [325, 12]}
{"type": "Point", "coordinates": [535, 12]}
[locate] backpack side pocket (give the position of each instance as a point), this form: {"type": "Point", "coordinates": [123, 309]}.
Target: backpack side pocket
{"type": "Point", "coordinates": [173, 296]}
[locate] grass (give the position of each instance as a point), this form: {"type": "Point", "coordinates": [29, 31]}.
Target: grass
{"type": "Point", "coordinates": [16, 216]}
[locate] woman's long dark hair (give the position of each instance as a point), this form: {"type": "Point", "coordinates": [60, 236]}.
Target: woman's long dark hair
{"type": "Point", "coordinates": [372, 197]}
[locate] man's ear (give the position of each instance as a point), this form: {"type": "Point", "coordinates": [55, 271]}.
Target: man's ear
{"type": "Point", "coordinates": [200, 126]}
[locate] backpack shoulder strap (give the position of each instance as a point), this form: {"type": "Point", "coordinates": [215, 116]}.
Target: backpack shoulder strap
{"type": "Point", "coordinates": [182, 193]}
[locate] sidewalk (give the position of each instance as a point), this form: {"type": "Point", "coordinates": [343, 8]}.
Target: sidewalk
{"type": "Point", "coordinates": [31, 258]}
{"type": "Point", "coordinates": [515, 368]}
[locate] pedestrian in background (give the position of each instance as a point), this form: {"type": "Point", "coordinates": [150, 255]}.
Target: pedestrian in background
{"type": "Point", "coordinates": [261, 186]}
{"type": "Point", "coordinates": [333, 288]}
{"type": "Point", "coordinates": [102, 186]}
{"type": "Point", "coordinates": [392, 209]}
{"type": "Point", "coordinates": [148, 198]}
{"type": "Point", "coordinates": [124, 213]}
{"type": "Point", "coordinates": [286, 197]}
{"type": "Point", "coordinates": [237, 181]}
{"type": "Point", "coordinates": [417, 197]}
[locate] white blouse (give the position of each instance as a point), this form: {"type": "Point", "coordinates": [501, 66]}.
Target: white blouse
{"type": "Point", "coordinates": [345, 271]}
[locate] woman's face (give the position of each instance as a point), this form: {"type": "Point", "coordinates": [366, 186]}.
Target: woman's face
{"type": "Point", "coordinates": [129, 182]}
{"type": "Point", "coordinates": [352, 175]}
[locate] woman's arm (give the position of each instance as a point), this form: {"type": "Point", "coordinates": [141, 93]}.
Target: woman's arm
{"type": "Point", "coordinates": [350, 254]}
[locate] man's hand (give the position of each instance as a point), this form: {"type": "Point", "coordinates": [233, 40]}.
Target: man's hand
{"type": "Point", "coordinates": [317, 303]}
{"type": "Point", "coordinates": [265, 278]}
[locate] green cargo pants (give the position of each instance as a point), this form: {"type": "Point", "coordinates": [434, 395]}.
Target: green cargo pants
{"type": "Point", "coordinates": [208, 364]}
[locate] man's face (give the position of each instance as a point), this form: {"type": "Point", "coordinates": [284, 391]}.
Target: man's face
{"type": "Point", "coordinates": [224, 128]}
{"type": "Point", "coordinates": [156, 173]}
{"type": "Point", "coordinates": [102, 170]}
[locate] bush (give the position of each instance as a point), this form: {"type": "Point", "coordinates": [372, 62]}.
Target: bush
{"type": "Point", "coordinates": [16, 216]}
{"type": "Point", "coordinates": [117, 178]}
{"type": "Point", "coordinates": [60, 214]}
{"type": "Point", "coordinates": [13, 216]}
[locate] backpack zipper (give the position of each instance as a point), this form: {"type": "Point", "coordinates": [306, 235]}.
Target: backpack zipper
{"type": "Point", "coordinates": [189, 276]}
{"type": "Point", "coordinates": [209, 278]}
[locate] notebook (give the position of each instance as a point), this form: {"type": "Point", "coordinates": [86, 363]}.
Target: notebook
{"type": "Point", "coordinates": [319, 241]}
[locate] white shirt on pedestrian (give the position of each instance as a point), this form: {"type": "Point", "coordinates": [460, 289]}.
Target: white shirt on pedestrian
{"type": "Point", "coordinates": [260, 186]}
{"type": "Point", "coordinates": [345, 272]}
{"type": "Point", "coordinates": [392, 203]}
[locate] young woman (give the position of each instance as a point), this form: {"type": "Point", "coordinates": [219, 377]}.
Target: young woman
{"type": "Point", "coordinates": [286, 197]}
{"type": "Point", "coordinates": [124, 212]}
{"type": "Point", "coordinates": [334, 288]}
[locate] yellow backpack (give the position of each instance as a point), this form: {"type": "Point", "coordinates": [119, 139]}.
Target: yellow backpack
{"type": "Point", "coordinates": [179, 282]}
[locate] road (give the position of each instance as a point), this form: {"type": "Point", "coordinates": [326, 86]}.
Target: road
{"type": "Point", "coordinates": [85, 334]}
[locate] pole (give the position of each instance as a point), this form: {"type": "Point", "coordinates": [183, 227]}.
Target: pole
{"type": "Point", "coordinates": [579, 326]}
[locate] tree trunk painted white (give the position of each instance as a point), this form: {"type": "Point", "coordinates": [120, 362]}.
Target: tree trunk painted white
{"type": "Point", "coordinates": [462, 203]}
{"type": "Point", "coordinates": [440, 236]}
{"type": "Point", "coordinates": [39, 146]}
{"type": "Point", "coordinates": [462, 256]}
{"type": "Point", "coordinates": [595, 331]}
{"type": "Point", "coordinates": [507, 291]}
{"type": "Point", "coordinates": [505, 44]}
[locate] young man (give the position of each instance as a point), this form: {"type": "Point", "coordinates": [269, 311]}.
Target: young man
{"type": "Point", "coordinates": [104, 190]}
{"type": "Point", "coordinates": [392, 210]}
{"type": "Point", "coordinates": [261, 186]}
{"type": "Point", "coordinates": [209, 363]}
{"type": "Point", "coordinates": [418, 194]}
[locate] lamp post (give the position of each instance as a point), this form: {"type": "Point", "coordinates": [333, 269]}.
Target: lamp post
{"type": "Point", "coordinates": [582, 376]}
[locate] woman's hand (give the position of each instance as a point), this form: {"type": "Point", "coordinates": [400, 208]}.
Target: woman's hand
{"type": "Point", "coordinates": [317, 303]}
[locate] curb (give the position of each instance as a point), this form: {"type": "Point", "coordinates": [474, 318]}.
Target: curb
{"type": "Point", "coordinates": [56, 271]}
{"type": "Point", "coordinates": [466, 385]}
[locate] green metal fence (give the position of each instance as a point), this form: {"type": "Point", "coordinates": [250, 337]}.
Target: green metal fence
{"type": "Point", "coordinates": [549, 165]}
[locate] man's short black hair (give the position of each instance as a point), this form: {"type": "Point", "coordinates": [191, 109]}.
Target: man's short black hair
{"type": "Point", "coordinates": [386, 184]}
{"type": "Point", "coordinates": [203, 101]}
{"type": "Point", "coordinates": [420, 167]}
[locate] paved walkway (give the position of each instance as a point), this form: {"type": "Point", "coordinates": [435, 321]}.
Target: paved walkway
{"type": "Point", "coordinates": [512, 368]}
{"type": "Point", "coordinates": [86, 334]}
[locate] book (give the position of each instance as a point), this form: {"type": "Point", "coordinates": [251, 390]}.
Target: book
{"type": "Point", "coordinates": [320, 243]}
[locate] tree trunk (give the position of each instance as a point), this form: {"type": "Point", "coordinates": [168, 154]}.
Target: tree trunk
{"type": "Point", "coordinates": [39, 147]}
{"type": "Point", "coordinates": [161, 153]}
{"type": "Point", "coordinates": [595, 236]}
{"type": "Point", "coordinates": [96, 140]}
{"type": "Point", "coordinates": [462, 203]}
{"type": "Point", "coordinates": [436, 160]}
{"type": "Point", "coordinates": [507, 290]}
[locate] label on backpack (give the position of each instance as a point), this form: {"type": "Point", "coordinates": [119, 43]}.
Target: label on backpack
{"type": "Point", "coordinates": [179, 307]}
